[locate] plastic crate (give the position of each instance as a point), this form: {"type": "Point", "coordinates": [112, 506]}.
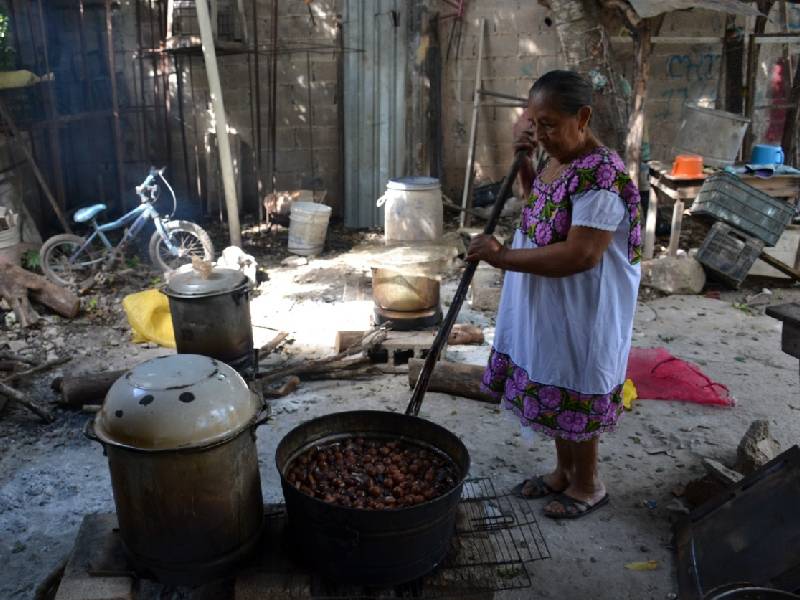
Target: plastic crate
{"type": "Point", "coordinates": [729, 254]}
{"type": "Point", "coordinates": [727, 198]}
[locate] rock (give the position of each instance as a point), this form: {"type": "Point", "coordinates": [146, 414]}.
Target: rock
{"type": "Point", "coordinates": [757, 448]}
{"type": "Point", "coordinates": [721, 473]}
{"type": "Point", "coordinates": [294, 261]}
{"type": "Point", "coordinates": [674, 275]}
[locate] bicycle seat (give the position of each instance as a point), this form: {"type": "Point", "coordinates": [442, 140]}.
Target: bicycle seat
{"type": "Point", "coordinates": [88, 212]}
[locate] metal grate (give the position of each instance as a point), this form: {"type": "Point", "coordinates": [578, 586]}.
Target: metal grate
{"type": "Point", "coordinates": [497, 538]}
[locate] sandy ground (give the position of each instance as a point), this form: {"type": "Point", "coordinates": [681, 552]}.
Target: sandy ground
{"type": "Point", "coordinates": [51, 476]}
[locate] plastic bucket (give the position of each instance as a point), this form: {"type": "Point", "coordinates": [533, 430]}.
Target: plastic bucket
{"type": "Point", "coordinates": [9, 237]}
{"type": "Point", "coordinates": [413, 210]}
{"type": "Point", "coordinates": [715, 135]}
{"type": "Point", "coordinates": [308, 225]}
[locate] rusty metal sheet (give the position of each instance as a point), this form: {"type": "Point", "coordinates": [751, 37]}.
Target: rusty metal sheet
{"type": "Point", "coordinates": [651, 8]}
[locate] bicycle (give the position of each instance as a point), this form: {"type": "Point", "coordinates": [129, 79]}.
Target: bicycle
{"type": "Point", "coordinates": [71, 260]}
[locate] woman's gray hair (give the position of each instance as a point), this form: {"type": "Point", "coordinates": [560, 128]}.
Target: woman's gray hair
{"type": "Point", "coordinates": [569, 90]}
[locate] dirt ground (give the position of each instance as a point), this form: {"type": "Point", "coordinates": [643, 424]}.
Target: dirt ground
{"type": "Point", "coordinates": [51, 476]}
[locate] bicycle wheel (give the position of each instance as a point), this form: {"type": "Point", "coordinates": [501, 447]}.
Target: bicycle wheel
{"type": "Point", "coordinates": [189, 239]}
{"type": "Point", "coordinates": [61, 268]}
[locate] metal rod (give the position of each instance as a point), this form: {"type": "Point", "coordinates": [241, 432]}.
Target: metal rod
{"type": "Point", "coordinates": [473, 132]}
{"type": "Point", "coordinates": [52, 111]}
{"type": "Point", "coordinates": [221, 123]}
{"type": "Point", "coordinates": [257, 137]}
{"type": "Point", "coordinates": [461, 293]}
{"type": "Point", "coordinates": [184, 144]}
{"type": "Point", "coordinates": [6, 116]}
{"type": "Point", "coordinates": [117, 131]}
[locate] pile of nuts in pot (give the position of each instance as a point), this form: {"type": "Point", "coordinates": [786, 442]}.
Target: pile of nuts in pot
{"type": "Point", "coordinates": [372, 474]}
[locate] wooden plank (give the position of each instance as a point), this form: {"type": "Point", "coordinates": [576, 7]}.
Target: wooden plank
{"type": "Point", "coordinates": [675, 233]}
{"type": "Point", "coordinates": [650, 223]}
{"type": "Point", "coordinates": [780, 265]}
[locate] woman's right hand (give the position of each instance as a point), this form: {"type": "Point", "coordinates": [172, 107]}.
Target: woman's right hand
{"type": "Point", "coordinates": [523, 133]}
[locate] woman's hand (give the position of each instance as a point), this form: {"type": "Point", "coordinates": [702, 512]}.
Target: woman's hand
{"type": "Point", "coordinates": [486, 248]}
{"type": "Point", "coordinates": [523, 133]}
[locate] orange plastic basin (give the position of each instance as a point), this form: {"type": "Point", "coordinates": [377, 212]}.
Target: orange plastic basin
{"type": "Point", "coordinates": [688, 166]}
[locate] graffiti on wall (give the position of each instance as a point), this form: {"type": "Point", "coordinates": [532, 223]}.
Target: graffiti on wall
{"type": "Point", "coordinates": [689, 77]}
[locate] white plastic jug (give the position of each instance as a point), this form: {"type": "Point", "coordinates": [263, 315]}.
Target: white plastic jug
{"type": "Point", "coordinates": [413, 210]}
{"type": "Point", "coordinates": [308, 226]}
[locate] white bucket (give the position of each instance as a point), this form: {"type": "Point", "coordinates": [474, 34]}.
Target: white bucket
{"type": "Point", "coordinates": [308, 225]}
{"type": "Point", "coordinates": [413, 210]}
{"type": "Point", "coordinates": [9, 236]}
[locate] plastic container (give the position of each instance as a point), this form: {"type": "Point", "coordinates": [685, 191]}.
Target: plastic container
{"type": "Point", "coordinates": [308, 226]}
{"type": "Point", "coordinates": [687, 166]}
{"type": "Point", "coordinates": [715, 135]}
{"type": "Point", "coordinates": [9, 236]}
{"type": "Point", "coordinates": [729, 254]}
{"type": "Point", "coordinates": [727, 198]}
{"type": "Point", "coordinates": [414, 212]}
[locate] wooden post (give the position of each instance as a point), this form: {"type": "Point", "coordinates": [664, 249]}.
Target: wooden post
{"type": "Point", "coordinates": [221, 122]}
{"type": "Point", "coordinates": [642, 43]}
{"type": "Point", "coordinates": [764, 6]}
{"type": "Point", "coordinates": [675, 233]}
{"type": "Point", "coordinates": [650, 224]}
{"type": "Point", "coordinates": [733, 52]}
{"type": "Point", "coordinates": [466, 196]}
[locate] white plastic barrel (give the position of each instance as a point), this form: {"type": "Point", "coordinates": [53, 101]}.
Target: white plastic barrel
{"type": "Point", "coordinates": [308, 225]}
{"type": "Point", "coordinates": [413, 210]}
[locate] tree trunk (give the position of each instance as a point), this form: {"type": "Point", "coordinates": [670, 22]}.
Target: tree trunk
{"type": "Point", "coordinates": [585, 46]}
{"type": "Point", "coordinates": [452, 378]}
{"type": "Point", "coordinates": [15, 281]}
{"type": "Point", "coordinates": [642, 47]}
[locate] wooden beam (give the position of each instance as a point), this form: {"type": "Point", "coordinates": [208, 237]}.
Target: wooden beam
{"type": "Point", "coordinates": [115, 122]}
{"type": "Point", "coordinates": [221, 122]}
{"type": "Point", "coordinates": [466, 195]}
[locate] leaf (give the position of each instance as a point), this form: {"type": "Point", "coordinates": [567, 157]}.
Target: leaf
{"type": "Point", "coordinates": [650, 565]}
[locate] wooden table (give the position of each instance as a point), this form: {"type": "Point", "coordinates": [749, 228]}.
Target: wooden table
{"type": "Point", "coordinates": [683, 191]}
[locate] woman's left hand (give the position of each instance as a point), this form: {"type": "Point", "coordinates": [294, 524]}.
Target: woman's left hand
{"type": "Point", "coordinates": [486, 248]}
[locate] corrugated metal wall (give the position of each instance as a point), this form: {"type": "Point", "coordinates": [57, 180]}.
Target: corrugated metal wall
{"type": "Point", "coordinates": [374, 104]}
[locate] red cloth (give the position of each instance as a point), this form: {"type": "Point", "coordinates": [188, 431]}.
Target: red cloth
{"type": "Point", "coordinates": [658, 375]}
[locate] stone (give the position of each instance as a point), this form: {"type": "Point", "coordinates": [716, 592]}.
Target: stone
{"type": "Point", "coordinates": [756, 448]}
{"type": "Point", "coordinates": [294, 261]}
{"type": "Point", "coordinates": [96, 588]}
{"type": "Point", "coordinates": [721, 473]}
{"type": "Point", "coordinates": [674, 275]}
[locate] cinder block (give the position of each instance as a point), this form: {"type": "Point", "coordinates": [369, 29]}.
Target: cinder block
{"type": "Point", "coordinates": [96, 588]}
{"type": "Point", "coordinates": [501, 45]}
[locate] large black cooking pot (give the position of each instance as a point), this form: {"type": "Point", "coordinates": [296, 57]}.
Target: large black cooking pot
{"type": "Point", "coordinates": [371, 547]}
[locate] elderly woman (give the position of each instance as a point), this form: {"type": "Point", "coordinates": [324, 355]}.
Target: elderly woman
{"type": "Point", "coordinates": [566, 313]}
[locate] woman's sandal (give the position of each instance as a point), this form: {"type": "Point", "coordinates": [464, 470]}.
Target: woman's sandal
{"type": "Point", "coordinates": [540, 489]}
{"type": "Point", "coordinates": [574, 508]}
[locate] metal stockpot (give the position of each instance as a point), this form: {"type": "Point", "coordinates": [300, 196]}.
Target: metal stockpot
{"type": "Point", "coordinates": [211, 316]}
{"type": "Point", "coordinates": [179, 432]}
{"type": "Point", "coordinates": [395, 290]}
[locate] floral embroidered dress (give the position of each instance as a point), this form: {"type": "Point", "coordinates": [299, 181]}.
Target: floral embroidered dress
{"type": "Point", "coordinates": [561, 344]}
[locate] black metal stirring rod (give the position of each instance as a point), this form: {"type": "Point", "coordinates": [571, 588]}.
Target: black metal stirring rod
{"type": "Point", "coordinates": [461, 293]}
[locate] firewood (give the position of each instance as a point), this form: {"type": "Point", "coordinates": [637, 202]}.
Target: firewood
{"type": "Point", "coordinates": [88, 388]}
{"type": "Point", "coordinates": [16, 284]}
{"type": "Point", "coordinates": [18, 397]}
{"type": "Point", "coordinates": [37, 369]}
{"type": "Point", "coordinates": [452, 378]}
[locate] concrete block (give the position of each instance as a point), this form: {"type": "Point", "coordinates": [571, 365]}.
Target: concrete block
{"type": "Point", "coordinates": [291, 160]}
{"type": "Point", "coordinates": [485, 298]}
{"type": "Point", "coordinates": [323, 137]}
{"type": "Point", "coordinates": [501, 45]}
{"type": "Point", "coordinates": [96, 588]}
{"type": "Point", "coordinates": [322, 71]}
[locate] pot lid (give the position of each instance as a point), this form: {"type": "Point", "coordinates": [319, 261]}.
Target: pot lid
{"type": "Point", "coordinates": [413, 183]}
{"type": "Point", "coordinates": [174, 402]}
{"type": "Point", "coordinates": [189, 282]}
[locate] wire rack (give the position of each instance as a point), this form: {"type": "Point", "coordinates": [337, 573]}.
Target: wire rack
{"type": "Point", "coordinates": [497, 539]}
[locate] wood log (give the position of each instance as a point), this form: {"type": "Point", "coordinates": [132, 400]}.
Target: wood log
{"type": "Point", "coordinates": [457, 379]}
{"type": "Point", "coordinates": [780, 266]}
{"type": "Point", "coordinates": [37, 369]}
{"type": "Point", "coordinates": [461, 334]}
{"type": "Point", "coordinates": [54, 297]}
{"type": "Point", "coordinates": [77, 390]}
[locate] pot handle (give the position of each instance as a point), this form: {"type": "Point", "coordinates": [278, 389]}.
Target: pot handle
{"type": "Point", "coordinates": [88, 431]}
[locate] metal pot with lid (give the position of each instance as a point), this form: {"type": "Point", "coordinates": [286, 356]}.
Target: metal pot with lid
{"type": "Point", "coordinates": [211, 314]}
{"type": "Point", "coordinates": [179, 432]}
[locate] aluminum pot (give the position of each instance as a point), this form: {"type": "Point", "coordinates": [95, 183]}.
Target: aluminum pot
{"type": "Point", "coordinates": [394, 290]}
{"type": "Point", "coordinates": [179, 432]}
{"type": "Point", "coordinates": [371, 547]}
{"type": "Point", "coordinates": [211, 315]}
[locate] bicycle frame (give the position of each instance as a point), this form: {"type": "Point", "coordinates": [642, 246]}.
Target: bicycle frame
{"type": "Point", "coordinates": [138, 216]}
